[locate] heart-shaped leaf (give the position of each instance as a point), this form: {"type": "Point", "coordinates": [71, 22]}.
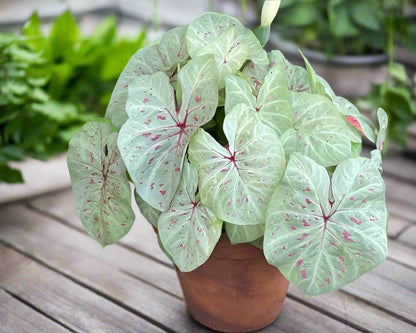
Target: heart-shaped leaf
{"type": "Point", "coordinates": [189, 230]}
{"type": "Point", "coordinates": [322, 237]}
{"type": "Point", "coordinates": [272, 105]}
{"type": "Point", "coordinates": [154, 139]}
{"type": "Point", "coordinates": [162, 56]}
{"type": "Point", "coordinates": [227, 39]}
{"type": "Point", "coordinates": [101, 188]}
{"type": "Point", "coordinates": [296, 76]}
{"type": "Point", "coordinates": [357, 122]}
{"type": "Point", "coordinates": [319, 130]}
{"type": "Point", "coordinates": [236, 182]}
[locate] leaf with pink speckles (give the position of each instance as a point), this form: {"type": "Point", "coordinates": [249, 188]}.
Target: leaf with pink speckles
{"type": "Point", "coordinates": [189, 230]}
{"type": "Point", "coordinates": [227, 39]}
{"type": "Point", "coordinates": [357, 122]}
{"type": "Point", "coordinates": [237, 181]}
{"type": "Point", "coordinates": [319, 130]}
{"type": "Point", "coordinates": [296, 76]}
{"type": "Point", "coordinates": [164, 56]}
{"type": "Point", "coordinates": [323, 234]}
{"type": "Point", "coordinates": [154, 139]}
{"type": "Point", "coordinates": [273, 103]}
{"type": "Point", "coordinates": [101, 188]}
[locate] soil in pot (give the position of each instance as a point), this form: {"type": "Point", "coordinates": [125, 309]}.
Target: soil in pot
{"type": "Point", "coordinates": [235, 290]}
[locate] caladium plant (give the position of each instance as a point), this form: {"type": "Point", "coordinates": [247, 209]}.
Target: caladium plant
{"type": "Point", "coordinates": [218, 135]}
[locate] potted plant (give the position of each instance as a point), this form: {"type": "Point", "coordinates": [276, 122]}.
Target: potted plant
{"type": "Point", "coordinates": [226, 143]}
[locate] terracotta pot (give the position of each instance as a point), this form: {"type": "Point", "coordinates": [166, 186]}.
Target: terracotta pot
{"type": "Point", "coordinates": [235, 290]}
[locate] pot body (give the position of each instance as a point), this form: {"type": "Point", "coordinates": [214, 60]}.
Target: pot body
{"type": "Point", "coordinates": [235, 290]}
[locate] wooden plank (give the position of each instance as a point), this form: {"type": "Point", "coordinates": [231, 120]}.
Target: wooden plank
{"type": "Point", "coordinates": [408, 237]}
{"type": "Point", "coordinates": [401, 190]}
{"type": "Point", "coordinates": [402, 253]}
{"type": "Point", "coordinates": [386, 294]}
{"type": "Point", "coordinates": [16, 317]}
{"type": "Point", "coordinates": [113, 274]}
{"type": "Point", "coordinates": [397, 165]}
{"type": "Point", "coordinates": [402, 209]}
{"type": "Point", "coordinates": [384, 284]}
{"type": "Point", "coordinates": [397, 273]}
{"type": "Point", "coordinates": [61, 205]}
{"type": "Point", "coordinates": [296, 317]}
{"type": "Point", "coordinates": [60, 298]}
{"type": "Point", "coordinates": [354, 311]}
{"type": "Point", "coordinates": [397, 225]}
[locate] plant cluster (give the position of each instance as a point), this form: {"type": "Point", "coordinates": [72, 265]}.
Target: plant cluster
{"type": "Point", "coordinates": [345, 26]}
{"type": "Point", "coordinates": [218, 135]}
{"type": "Point", "coordinates": [51, 84]}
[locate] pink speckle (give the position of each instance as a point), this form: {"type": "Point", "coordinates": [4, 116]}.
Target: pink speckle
{"type": "Point", "coordinates": [299, 262]}
{"type": "Point", "coordinates": [307, 189]}
{"type": "Point", "coordinates": [364, 201]}
{"type": "Point", "coordinates": [351, 198]}
{"type": "Point", "coordinates": [125, 86]}
{"type": "Point", "coordinates": [303, 273]}
{"type": "Point", "coordinates": [156, 137]}
{"type": "Point", "coordinates": [346, 235]}
{"type": "Point", "coordinates": [162, 192]}
{"type": "Point", "coordinates": [158, 147]}
{"type": "Point", "coordinates": [177, 169]}
{"type": "Point", "coordinates": [152, 186]}
{"type": "Point", "coordinates": [308, 201]}
{"type": "Point", "coordinates": [161, 117]}
{"type": "Point", "coordinates": [354, 122]}
{"type": "Point", "coordinates": [332, 244]}
{"type": "Point", "coordinates": [293, 227]}
{"type": "Point", "coordinates": [303, 236]}
{"type": "Point", "coordinates": [357, 222]}
{"type": "Point", "coordinates": [92, 181]}
{"type": "Point", "coordinates": [341, 258]}
{"type": "Point", "coordinates": [328, 281]}
{"type": "Point", "coordinates": [305, 224]}
{"type": "Point", "coordinates": [342, 269]}
{"type": "Point", "coordinates": [198, 99]}
{"type": "Point", "coordinates": [145, 100]}
{"type": "Point", "coordinates": [291, 254]}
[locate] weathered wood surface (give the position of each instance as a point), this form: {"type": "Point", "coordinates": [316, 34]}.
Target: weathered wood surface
{"type": "Point", "coordinates": [55, 278]}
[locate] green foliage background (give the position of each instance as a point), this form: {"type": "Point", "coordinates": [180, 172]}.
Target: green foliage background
{"type": "Point", "coordinates": [50, 85]}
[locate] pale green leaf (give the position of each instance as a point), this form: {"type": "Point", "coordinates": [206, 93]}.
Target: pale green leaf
{"type": "Point", "coordinates": [99, 181]}
{"type": "Point", "coordinates": [296, 76]}
{"type": "Point", "coordinates": [189, 230]}
{"type": "Point", "coordinates": [272, 105]}
{"type": "Point", "coordinates": [322, 237]}
{"type": "Point", "coordinates": [227, 39]}
{"type": "Point", "coordinates": [154, 139]}
{"type": "Point", "coordinates": [163, 56]}
{"type": "Point", "coordinates": [319, 130]}
{"type": "Point", "coordinates": [237, 181]}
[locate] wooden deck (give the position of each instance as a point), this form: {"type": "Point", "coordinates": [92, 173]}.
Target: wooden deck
{"type": "Point", "coordinates": [55, 278]}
